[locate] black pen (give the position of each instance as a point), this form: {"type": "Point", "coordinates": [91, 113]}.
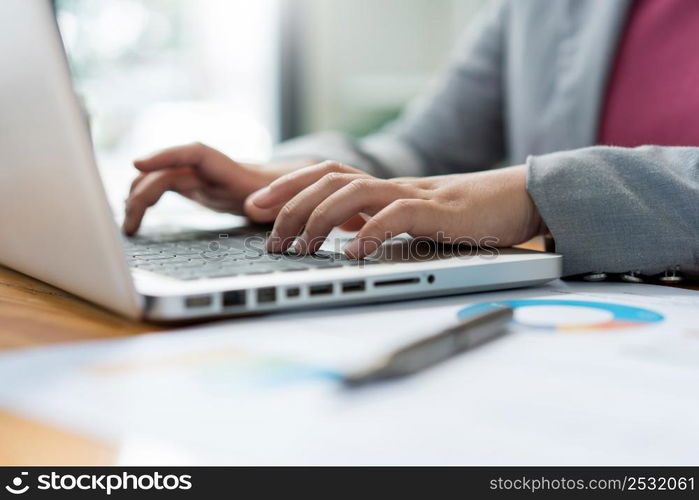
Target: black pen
{"type": "Point", "coordinates": [414, 357]}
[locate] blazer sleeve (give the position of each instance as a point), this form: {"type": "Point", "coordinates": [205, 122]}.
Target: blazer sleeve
{"type": "Point", "coordinates": [620, 209]}
{"type": "Point", "coordinates": [456, 127]}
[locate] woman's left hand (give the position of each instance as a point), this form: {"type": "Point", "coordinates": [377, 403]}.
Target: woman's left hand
{"type": "Point", "coordinates": [313, 200]}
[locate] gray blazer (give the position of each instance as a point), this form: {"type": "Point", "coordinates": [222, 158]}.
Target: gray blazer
{"type": "Point", "coordinates": [527, 85]}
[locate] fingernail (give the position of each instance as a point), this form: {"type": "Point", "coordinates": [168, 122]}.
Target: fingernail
{"type": "Point", "coordinates": [262, 198]}
{"type": "Point", "coordinates": [352, 249]}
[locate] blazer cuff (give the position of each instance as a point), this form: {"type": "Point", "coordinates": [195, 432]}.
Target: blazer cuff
{"type": "Point", "coordinates": [600, 220]}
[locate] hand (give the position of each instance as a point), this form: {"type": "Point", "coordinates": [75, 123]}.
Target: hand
{"type": "Point", "coordinates": [202, 174]}
{"type": "Point", "coordinates": [449, 208]}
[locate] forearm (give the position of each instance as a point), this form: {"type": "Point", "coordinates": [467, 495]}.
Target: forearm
{"type": "Point", "coordinates": [620, 209]}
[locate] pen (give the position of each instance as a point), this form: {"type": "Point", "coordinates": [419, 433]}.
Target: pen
{"type": "Point", "coordinates": [417, 356]}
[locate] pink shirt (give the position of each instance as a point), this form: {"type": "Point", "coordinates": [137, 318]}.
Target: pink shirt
{"type": "Point", "coordinates": [653, 91]}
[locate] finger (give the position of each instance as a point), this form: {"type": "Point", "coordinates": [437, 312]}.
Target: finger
{"type": "Point", "coordinates": [294, 214]}
{"type": "Point", "coordinates": [257, 214]}
{"type": "Point", "coordinates": [136, 181]}
{"type": "Point", "coordinates": [151, 188]}
{"type": "Point", "coordinates": [353, 224]}
{"type": "Point", "coordinates": [416, 217]}
{"type": "Point", "coordinates": [363, 195]}
{"type": "Point", "coordinates": [213, 165]}
{"type": "Point", "coordinates": [287, 186]}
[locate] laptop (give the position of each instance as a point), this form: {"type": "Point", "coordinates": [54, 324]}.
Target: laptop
{"type": "Point", "coordinates": [57, 224]}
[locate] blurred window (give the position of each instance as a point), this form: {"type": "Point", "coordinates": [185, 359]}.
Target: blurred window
{"type": "Point", "coordinates": [153, 73]}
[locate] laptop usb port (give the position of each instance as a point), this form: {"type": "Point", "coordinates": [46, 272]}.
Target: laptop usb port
{"type": "Point", "coordinates": [316, 290]}
{"type": "Point", "coordinates": [197, 301]}
{"type": "Point", "coordinates": [353, 286]}
{"type": "Point", "coordinates": [266, 295]}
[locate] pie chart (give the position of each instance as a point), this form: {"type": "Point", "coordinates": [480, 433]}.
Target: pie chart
{"type": "Point", "coordinates": [570, 315]}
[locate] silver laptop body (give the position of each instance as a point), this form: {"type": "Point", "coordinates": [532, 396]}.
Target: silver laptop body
{"type": "Point", "coordinates": [56, 223]}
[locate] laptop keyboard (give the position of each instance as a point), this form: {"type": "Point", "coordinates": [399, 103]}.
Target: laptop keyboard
{"type": "Point", "coordinates": [198, 256]}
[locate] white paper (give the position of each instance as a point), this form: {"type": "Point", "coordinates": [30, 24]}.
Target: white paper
{"type": "Point", "coordinates": [265, 390]}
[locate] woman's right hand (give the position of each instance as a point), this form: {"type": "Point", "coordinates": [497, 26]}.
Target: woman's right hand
{"type": "Point", "coordinates": [204, 175]}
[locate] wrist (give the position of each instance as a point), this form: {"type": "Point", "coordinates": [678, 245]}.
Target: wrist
{"type": "Point", "coordinates": [534, 224]}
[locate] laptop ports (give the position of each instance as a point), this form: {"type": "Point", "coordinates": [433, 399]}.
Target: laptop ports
{"type": "Point", "coordinates": [266, 295]}
{"type": "Point", "coordinates": [353, 286]}
{"type": "Point", "coordinates": [403, 281]}
{"type": "Point", "coordinates": [234, 298]}
{"type": "Point", "coordinates": [317, 290]}
{"type": "Point", "coordinates": [198, 301]}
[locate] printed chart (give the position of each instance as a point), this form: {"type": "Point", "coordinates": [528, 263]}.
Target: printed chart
{"type": "Point", "coordinates": [570, 315]}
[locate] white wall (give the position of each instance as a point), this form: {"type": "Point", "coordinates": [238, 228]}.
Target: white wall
{"type": "Point", "coordinates": [363, 59]}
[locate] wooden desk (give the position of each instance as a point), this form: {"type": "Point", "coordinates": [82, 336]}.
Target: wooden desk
{"type": "Point", "coordinates": [32, 314]}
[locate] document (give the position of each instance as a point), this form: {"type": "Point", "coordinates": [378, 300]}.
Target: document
{"type": "Point", "coordinates": [589, 373]}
